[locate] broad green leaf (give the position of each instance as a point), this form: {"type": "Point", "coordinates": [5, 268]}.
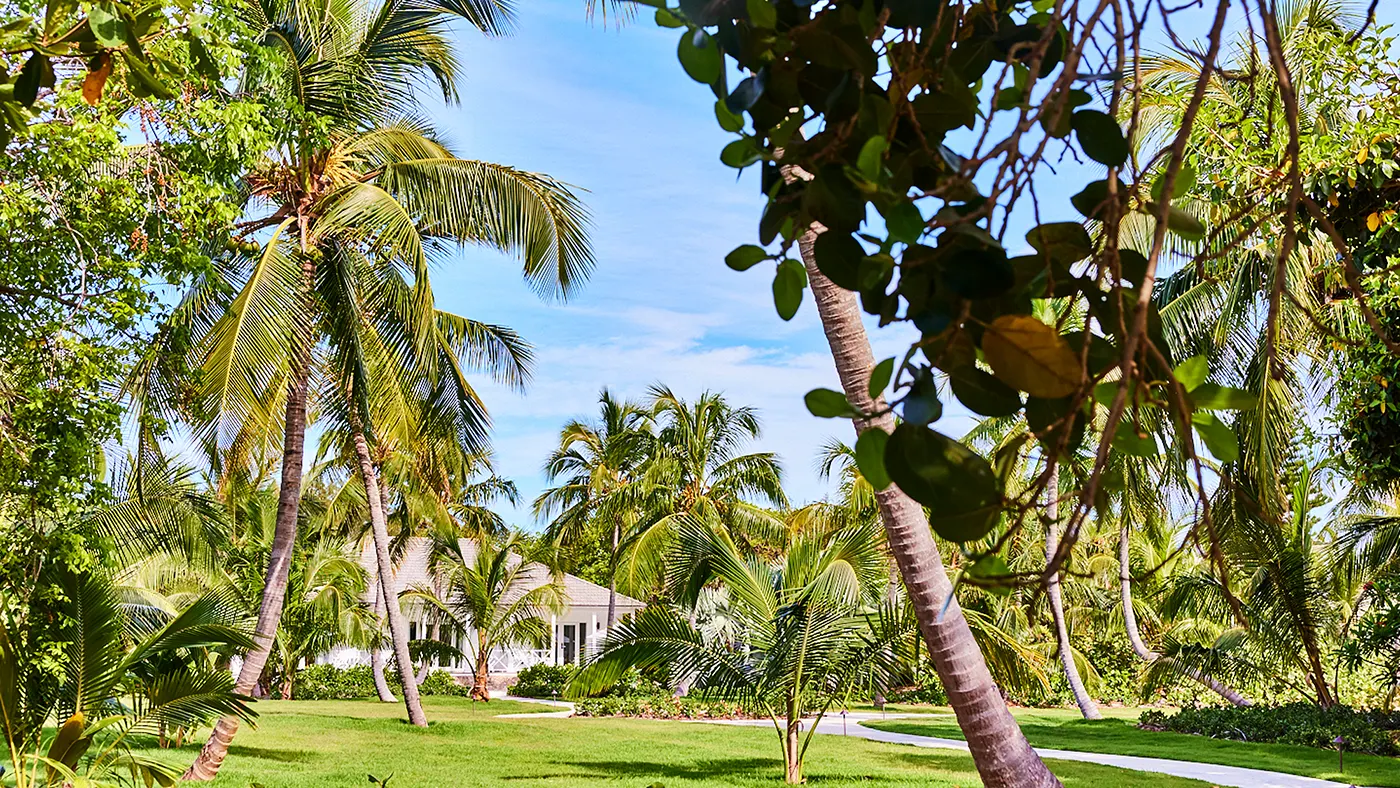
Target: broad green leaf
{"type": "Point", "coordinates": [983, 394]}
{"type": "Point", "coordinates": [728, 120]}
{"type": "Point", "coordinates": [745, 257]}
{"type": "Point", "coordinates": [35, 73]}
{"type": "Point", "coordinates": [839, 255]}
{"type": "Point", "coordinates": [829, 404]}
{"type": "Point", "coordinates": [992, 573]}
{"type": "Point", "coordinates": [904, 222]}
{"type": "Point", "coordinates": [880, 377]}
{"type": "Point", "coordinates": [870, 457]}
{"type": "Point", "coordinates": [762, 14]}
{"type": "Point", "coordinates": [1063, 242]}
{"type": "Point", "coordinates": [1184, 224]}
{"type": "Point", "coordinates": [788, 285]}
{"type": "Point", "coordinates": [922, 405]}
{"type": "Point", "coordinates": [1100, 137]}
{"type": "Point", "coordinates": [1132, 265]}
{"type": "Point", "coordinates": [700, 57]}
{"type": "Point", "coordinates": [1192, 372]}
{"type": "Point", "coordinates": [107, 25]}
{"type": "Point", "coordinates": [740, 153]}
{"type": "Point", "coordinates": [1185, 182]}
{"type": "Point", "coordinates": [1031, 356]}
{"type": "Point", "coordinates": [871, 159]}
{"type": "Point", "coordinates": [1210, 396]}
{"type": "Point", "coordinates": [1128, 440]}
{"type": "Point", "coordinates": [1090, 200]}
{"type": "Point", "coordinates": [204, 63]}
{"type": "Point", "coordinates": [954, 481]}
{"type": "Point", "coordinates": [1217, 436]}
{"type": "Point", "coordinates": [665, 18]}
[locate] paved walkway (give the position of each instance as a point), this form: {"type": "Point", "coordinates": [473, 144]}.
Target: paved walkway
{"type": "Point", "coordinates": [1235, 776]}
{"type": "Point", "coordinates": [1215, 774]}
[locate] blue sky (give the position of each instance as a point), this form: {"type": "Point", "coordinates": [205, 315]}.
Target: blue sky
{"type": "Point", "coordinates": [610, 111]}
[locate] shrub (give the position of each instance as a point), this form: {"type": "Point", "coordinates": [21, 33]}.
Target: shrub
{"type": "Point", "coordinates": [327, 682]}
{"type": "Point", "coordinates": [1305, 724]}
{"type": "Point", "coordinates": [542, 681]}
{"type": "Point", "coordinates": [660, 707]}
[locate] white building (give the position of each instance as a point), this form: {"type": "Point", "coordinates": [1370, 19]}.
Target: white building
{"type": "Point", "coordinates": [577, 632]}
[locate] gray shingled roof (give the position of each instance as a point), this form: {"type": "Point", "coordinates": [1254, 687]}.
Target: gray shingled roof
{"type": "Point", "coordinates": [412, 571]}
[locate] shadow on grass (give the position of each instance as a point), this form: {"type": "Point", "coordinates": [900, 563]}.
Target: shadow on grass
{"type": "Point", "coordinates": [271, 753]}
{"type": "Point", "coordinates": [704, 770]}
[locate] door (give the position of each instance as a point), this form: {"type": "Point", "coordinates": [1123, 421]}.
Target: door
{"type": "Point", "coordinates": [568, 644]}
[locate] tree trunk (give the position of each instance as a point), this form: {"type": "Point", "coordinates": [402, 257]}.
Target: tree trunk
{"type": "Point", "coordinates": [398, 630]}
{"type": "Point", "coordinates": [376, 655]}
{"type": "Point", "coordinates": [612, 579]}
{"type": "Point", "coordinates": [1001, 753]}
{"type": "Point", "coordinates": [481, 680]}
{"type": "Point", "coordinates": [1086, 704]}
{"type": "Point", "coordinates": [1125, 586]}
{"type": "Point", "coordinates": [792, 749]}
{"type": "Point", "coordinates": [279, 567]}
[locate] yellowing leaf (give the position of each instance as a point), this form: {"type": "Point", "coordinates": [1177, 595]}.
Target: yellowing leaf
{"type": "Point", "coordinates": [96, 79]}
{"type": "Point", "coordinates": [1373, 222]}
{"type": "Point", "coordinates": [1031, 356]}
{"type": "Point", "coordinates": [1362, 154]}
{"type": "Point", "coordinates": [1351, 180]}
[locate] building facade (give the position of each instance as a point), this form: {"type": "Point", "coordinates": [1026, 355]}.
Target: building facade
{"type": "Point", "coordinates": [576, 632]}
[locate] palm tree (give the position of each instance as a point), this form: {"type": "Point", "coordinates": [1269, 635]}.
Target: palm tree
{"type": "Point", "coordinates": [813, 627]}
{"type": "Point", "coordinates": [698, 470]}
{"type": "Point", "coordinates": [360, 195]}
{"type": "Point", "coordinates": [494, 598]}
{"type": "Point", "coordinates": [602, 465]}
{"type": "Point", "coordinates": [127, 669]}
{"type": "Point", "coordinates": [998, 747]}
{"type": "Point", "coordinates": [325, 608]}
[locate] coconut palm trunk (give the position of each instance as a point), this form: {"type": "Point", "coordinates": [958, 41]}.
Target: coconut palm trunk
{"type": "Point", "coordinates": [398, 631]}
{"type": "Point", "coordinates": [999, 749]}
{"type": "Point", "coordinates": [376, 658]}
{"type": "Point", "coordinates": [481, 677]}
{"type": "Point", "coordinates": [279, 567]}
{"type": "Point", "coordinates": [612, 578]}
{"type": "Point", "coordinates": [1125, 586]}
{"type": "Point", "coordinates": [1053, 594]}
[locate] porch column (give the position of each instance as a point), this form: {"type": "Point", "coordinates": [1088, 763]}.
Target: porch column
{"type": "Point", "coordinates": [593, 634]}
{"type": "Point", "coordinates": [554, 639]}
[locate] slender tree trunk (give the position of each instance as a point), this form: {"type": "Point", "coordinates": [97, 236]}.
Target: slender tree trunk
{"type": "Point", "coordinates": [376, 655]}
{"type": "Point", "coordinates": [792, 749]}
{"type": "Point", "coordinates": [481, 681]}
{"type": "Point", "coordinates": [279, 567]}
{"type": "Point", "coordinates": [1086, 704]}
{"type": "Point", "coordinates": [612, 579]}
{"type": "Point", "coordinates": [1125, 586]}
{"type": "Point", "coordinates": [999, 749]}
{"type": "Point", "coordinates": [398, 630]}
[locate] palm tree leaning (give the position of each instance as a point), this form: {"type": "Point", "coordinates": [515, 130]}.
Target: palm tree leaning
{"type": "Point", "coordinates": [1000, 750]}
{"type": "Point", "coordinates": [358, 187]}
{"type": "Point", "coordinates": [602, 465]}
{"type": "Point", "coordinates": [496, 599]}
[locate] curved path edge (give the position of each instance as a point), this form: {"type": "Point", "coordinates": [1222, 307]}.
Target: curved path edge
{"type": "Point", "coordinates": [1215, 774]}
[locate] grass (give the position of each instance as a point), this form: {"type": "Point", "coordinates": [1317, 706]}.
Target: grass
{"type": "Point", "coordinates": [300, 744]}
{"type": "Point", "coordinates": [1064, 729]}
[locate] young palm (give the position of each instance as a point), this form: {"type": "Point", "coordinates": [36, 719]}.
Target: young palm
{"type": "Point", "coordinates": [602, 465]}
{"type": "Point", "coordinates": [698, 471]}
{"type": "Point", "coordinates": [125, 672]}
{"type": "Point", "coordinates": [358, 191]}
{"type": "Point", "coordinates": [814, 627]}
{"type": "Point", "coordinates": [495, 599]}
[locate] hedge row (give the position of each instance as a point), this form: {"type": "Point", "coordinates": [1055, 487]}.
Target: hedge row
{"type": "Point", "coordinates": [1306, 724]}
{"type": "Point", "coordinates": [327, 682]}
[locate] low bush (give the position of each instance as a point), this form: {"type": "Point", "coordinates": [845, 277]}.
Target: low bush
{"type": "Point", "coordinates": [1375, 732]}
{"type": "Point", "coordinates": [661, 707]}
{"type": "Point", "coordinates": [327, 682]}
{"type": "Point", "coordinates": [542, 681]}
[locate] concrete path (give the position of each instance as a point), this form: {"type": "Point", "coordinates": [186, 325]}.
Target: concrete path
{"type": "Point", "coordinates": [1234, 776]}
{"type": "Point", "coordinates": [567, 708]}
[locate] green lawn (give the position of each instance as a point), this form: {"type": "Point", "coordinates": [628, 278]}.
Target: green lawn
{"type": "Point", "coordinates": [301, 744]}
{"type": "Point", "coordinates": [1064, 729]}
